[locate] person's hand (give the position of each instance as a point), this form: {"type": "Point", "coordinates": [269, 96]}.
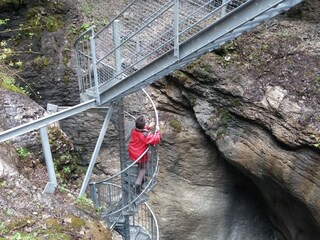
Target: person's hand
{"type": "Point", "coordinates": [151, 125]}
{"type": "Point", "coordinates": [157, 128]}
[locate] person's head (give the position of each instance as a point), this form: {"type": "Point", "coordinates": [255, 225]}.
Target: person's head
{"type": "Point", "coordinates": [140, 122]}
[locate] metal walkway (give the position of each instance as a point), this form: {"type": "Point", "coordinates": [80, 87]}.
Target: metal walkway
{"type": "Point", "coordinates": [152, 38]}
{"type": "Point", "coordinates": [146, 41]}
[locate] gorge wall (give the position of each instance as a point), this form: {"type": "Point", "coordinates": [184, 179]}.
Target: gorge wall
{"type": "Point", "coordinates": [238, 157]}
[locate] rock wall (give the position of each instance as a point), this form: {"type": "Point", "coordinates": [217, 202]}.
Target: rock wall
{"type": "Point", "coordinates": [256, 106]}
{"type": "Point", "coordinates": [238, 157]}
{"type": "Point", "coordinates": [41, 35]}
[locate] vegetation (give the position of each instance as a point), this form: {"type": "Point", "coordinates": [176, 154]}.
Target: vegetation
{"type": "Point", "coordinates": [175, 124]}
{"type": "Point", "coordinates": [23, 152]}
{"type": "Point", "coordinates": [84, 201]}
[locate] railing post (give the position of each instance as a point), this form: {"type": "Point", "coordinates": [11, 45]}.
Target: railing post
{"type": "Point", "coordinates": [93, 194]}
{"type": "Point", "coordinates": [224, 8]}
{"type": "Point", "coordinates": [138, 49]}
{"type": "Point", "coordinates": [117, 52]}
{"type": "Point", "coordinates": [176, 28]}
{"type": "Point", "coordinates": [51, 185]}
{"type": "Point", "coordinates": [94, 66]}
{"type": "Point", "coordinates": [122, 136]}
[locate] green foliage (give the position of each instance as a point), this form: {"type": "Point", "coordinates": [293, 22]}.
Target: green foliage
{"type": "Point", "coordinates": [66, 170]}
{"type": "Point", "coordinates": [9, 83]}
{"type": "Point", "coordinates": [23, 152]}
{"type": "Point", "coordinates": [11, 3]}
{"type": "Point", "coordinates": [41, 61]}
{"type": "Point", "coordinates": [40, 21]}
{"type": "Point", "coordinates": [3, 183]}
{"type": "Point", "coordinates": [175, 124]}
{"type": "Point", "coordinates": [9, 212]}
{"type": "Point", "coordinates": [4, 21]}
{"type": "Point", "coordinates": [84, 201]}
{"type": "Point", "coordinates": [265, 47]}
{"type": "Point", "coordinates": [318, 79]}
{"type": "Point", "coordinates": [3, 228]}
{"type": "Point", "coordinates": [85, 27]}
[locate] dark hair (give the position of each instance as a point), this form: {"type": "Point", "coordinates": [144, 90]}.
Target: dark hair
{"type": "Point", "coordinates": [140, 122]}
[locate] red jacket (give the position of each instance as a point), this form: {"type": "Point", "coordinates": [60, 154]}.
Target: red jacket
{"type": "Point", "coordinates": [139, 141]}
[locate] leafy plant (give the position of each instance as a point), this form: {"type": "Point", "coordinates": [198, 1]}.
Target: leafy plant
{"type": "Point", "coordinates": [66, 170]}
{"type": "Point", "coordinates": [23, 152]}
{"type": "Point", "coordinates": [9, 83]}
{"type": "Point", "coordinates": [3, 228]}
{"type": "Point", "coordinates": [4, 21]}
{"type": "Point", "coordinates": [83, 200]}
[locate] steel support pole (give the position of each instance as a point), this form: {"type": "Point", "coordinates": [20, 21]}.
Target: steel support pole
{"type": "Point", "coordinates": [176, 28]}
{"type": "Point", "coordinates": [96, 151]}
{"type": "Point", "coordinates": [94, 66]}
{"type": "Point", "coordinates": [52, 183]}
{"type": "Point", "coordinates": [122, 143]}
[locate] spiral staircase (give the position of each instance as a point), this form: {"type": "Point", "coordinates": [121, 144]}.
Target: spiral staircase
{"type": "Point", "coordinates": [146, 41]}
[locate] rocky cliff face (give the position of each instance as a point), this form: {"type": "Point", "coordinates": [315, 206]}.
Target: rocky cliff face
{"type": "Point", "coordinates": [41, 35]}
{"type": "Point", "coordinates": [238, 158]}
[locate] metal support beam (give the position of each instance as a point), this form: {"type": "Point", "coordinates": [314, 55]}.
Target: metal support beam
{"type": "Point", "coordinates": [122, 140]}
{"type": "Point", "coordinates": [96, 151]}
{"type": "Point", "coordinates": [52, 183]}
{"type": "Point", "coordinates": [44, 121]}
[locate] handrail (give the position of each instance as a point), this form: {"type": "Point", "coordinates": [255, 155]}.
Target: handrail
{"type": "Point", "coordinates": [138, 159]}
{"type": "Point", "coordinates": [140, 43]}
{"type": "Point", "coordinates": [90, 29]}
{"type": "Point", "coordinates": [135, 218]}
{"type": "Point", "coordinates": [120, 173]}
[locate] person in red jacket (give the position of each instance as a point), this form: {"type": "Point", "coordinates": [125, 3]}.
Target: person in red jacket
{"type": "Point", "coordinates": [139, 141]}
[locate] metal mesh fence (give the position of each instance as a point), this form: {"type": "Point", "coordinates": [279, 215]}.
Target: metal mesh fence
{"type": "Point", "coordinates": [148, 29]}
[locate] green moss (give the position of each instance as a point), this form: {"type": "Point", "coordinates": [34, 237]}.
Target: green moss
{"type": "Point", "coordinates": [65, 159]}
{"type": "Point", "coordinates": [175, 124]}
{"type": "Point", "coordinates": [192, 98]}
{"type": "Point", "coordinates": [39, 21]}
{"type": "Point", "coordinates": [224, 115]}
{"type": "Point", "coordinates": [41, 61]}
{"type": "Point", "coordinates": [19, 223]}
{"type": "Point", "coordinates": [265, 47]}
{"type": "Point", "coordinates": [11, 3]}
{"type": "Point", "coordinates": [77, 222]}
{"type": "Point", "coordinates": [9, 83]}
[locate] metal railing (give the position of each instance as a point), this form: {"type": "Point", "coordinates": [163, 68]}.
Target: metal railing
{"type": "Point", "coordinates": [108, 194]}
{"type": "Point", "coordinates": [142, 220]}
{"type": "Point", "coordinates": [143, 32]}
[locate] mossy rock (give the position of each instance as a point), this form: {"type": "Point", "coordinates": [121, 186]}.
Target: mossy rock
{"type": "Point", "coordinates": [176, 125]}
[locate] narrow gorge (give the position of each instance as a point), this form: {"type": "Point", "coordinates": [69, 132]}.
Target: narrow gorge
{"type": "Point", "coordinates": [239, 156]}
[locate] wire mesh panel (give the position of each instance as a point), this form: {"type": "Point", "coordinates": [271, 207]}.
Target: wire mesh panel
{"type": "Point", "coordinates": [143, 32]}
{"type": "Point", "coordinates": [84, 63]}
